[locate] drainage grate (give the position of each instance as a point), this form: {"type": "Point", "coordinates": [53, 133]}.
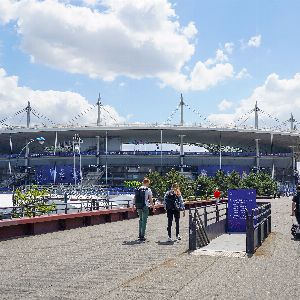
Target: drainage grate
{"type": "Point", "coordinates": [238, 254]}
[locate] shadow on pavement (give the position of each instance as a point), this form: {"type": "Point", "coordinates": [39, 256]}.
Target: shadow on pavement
{"type": "Point", "coordinates": [131, 243]}
{"type": "Point", "coordinates": [165, 243]}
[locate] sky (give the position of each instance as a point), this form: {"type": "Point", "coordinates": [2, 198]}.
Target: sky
{"type": "Point", "coordinates": [140, 55]}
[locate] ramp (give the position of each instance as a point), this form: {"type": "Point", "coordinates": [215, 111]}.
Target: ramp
{"type": "Point", "coordinates": [228, 245]}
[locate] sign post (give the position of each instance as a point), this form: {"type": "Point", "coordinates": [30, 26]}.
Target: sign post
{"type": "Point", "coordinates": [238, 202]}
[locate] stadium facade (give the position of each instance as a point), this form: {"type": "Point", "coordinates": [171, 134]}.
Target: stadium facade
{"type": "Point", "coordinates": [95, 153]}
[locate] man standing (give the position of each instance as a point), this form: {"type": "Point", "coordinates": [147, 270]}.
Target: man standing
{"type": "Point", "coordinates": [142, 201]}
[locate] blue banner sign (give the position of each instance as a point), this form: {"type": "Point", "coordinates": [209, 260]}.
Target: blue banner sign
{"type": "Point", "coordinates": [57, 174]}
{"type": "Point", "coordinates": [238, 202]}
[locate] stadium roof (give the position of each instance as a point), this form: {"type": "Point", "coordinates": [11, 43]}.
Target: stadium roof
{"type": "Point", "coordinates": [243, 138]}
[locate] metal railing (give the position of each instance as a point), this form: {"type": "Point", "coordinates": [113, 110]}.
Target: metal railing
{"type": "Point", "coordinates": [258, 226]}
{"type": "Point", "coordinates": [32, 210]}
{"type": "Point", "coordinates": [199, 221]}
{"type": "Point", "coordinates": [144, 153]}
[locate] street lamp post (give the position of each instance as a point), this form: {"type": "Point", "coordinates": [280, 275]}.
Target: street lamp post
{"type": "Point", "coordinates": [76, 147]}
{"type": "Point", "coordinates": [41, 141]}
{"type": "Point", "coordinates": [181, 152]}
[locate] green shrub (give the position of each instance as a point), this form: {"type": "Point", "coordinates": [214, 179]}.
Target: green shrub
{"type": "Point", "coordinates": [32, 202]}
{"type": "Point", "coordinates": [132, 184]}
{"type": "Point", "coordinates": [204, 186]}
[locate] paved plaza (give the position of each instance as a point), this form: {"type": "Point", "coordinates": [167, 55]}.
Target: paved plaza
{"type": "Point", "coordinates": [107, 262]}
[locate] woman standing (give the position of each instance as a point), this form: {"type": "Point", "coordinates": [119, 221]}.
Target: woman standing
{"type": "Point", "coordinates": [173, 203]}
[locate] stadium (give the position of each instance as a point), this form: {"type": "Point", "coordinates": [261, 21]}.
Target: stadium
{"type": "Point", "coordinates": [111, 153]}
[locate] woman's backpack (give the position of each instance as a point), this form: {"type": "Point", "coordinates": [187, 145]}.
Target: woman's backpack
{"type": "Point", "coordinates": [172, 201]}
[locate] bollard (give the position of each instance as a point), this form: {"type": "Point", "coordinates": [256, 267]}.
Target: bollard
{"type": "Point", "coordinates": [66, 202]}
{"type": "Point", "coordinates": [217, 213]}
{"type": "Point", "coordinates": [259, 231]}
{"type": "Point", "coordinates": [205, 216]}
{"type": "Point", "coordinates": [249, 233]}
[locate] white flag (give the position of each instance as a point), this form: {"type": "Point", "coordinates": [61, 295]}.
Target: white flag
{"type": "Point", "coordinates": [55, 143]}
{"type": "Point", "coordinates": [54, 174]}
{"type": "Point", "coordinates": [10, 143]}
{"type": "Point", "coordinates": [9, 167]}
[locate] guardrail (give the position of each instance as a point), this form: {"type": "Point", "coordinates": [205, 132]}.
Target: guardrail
{"type": "Point", "coordinates": [206, 225]}
{"type": "Point", "coordinates": [143, 153]}
{"type": "Point", "coordinates": [61, 208]}
{"type": "Point", "coordinates": [258, 226]}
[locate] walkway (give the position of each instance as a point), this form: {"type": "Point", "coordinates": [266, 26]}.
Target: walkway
{"type": "Point", "coordinates": [106, 262]}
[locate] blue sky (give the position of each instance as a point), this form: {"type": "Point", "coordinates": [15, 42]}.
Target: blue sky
{"type": "Point", "coordinates": [135, 91]}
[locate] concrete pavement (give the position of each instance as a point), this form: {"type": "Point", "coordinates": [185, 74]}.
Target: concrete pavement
{"type": "Point", "coordinates": [106, 262]}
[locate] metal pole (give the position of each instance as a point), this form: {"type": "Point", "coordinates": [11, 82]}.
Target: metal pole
{"type": "Point", "coordinates": [292, 120]}
{"type": "Point", "coordinates": [74, 161]}
{"type": "Point", "coordinates": [257, 155]}
{"type": "Point", "coordinates": [256, 109]}
{"type": "Point", "coordinates": [293, 164]}
{"type": "Point", "coordinates": [181, 110]}
{"type": "Point", "coordinates": [28, 110]}
{"type": "Point", "coordinates": [99, 111]}
{"type": "Point", "coordinates": [161, 153]}
{"type": "Point", "coordinates": [106, 157]}
{"type": "Point", "coordinates": [181, 152]}
{"type": "Point", "coordinates": [80, 170]}
{"type": "Point", "coordinates": [98, 153]}
{"type": "Point", "coordinates": [220, 159]}
{"type": "Point", "coordinates": [273, 164]}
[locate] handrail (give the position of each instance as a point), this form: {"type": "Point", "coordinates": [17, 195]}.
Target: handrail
{"type": "Point", "coordinates": [258, 226]}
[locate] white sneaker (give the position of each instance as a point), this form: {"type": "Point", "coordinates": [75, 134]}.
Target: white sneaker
{"type": "Point", "coordinates": [170, 239]}
{"type": "Point", "coordinates": [178, 237]}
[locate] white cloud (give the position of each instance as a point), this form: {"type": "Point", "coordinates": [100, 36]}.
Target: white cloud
{"type": "Point", "coordinates": [220, 57]}
{"type": "Point", "coordinates": [190, 31]}
{"type": "Point", "coordinates": [243, 74]}
{"type": "Point", "coordinates": [90, 2]}
{"type": "Point", "coordinates": [200, 78]}
{"type": "Point", "coordinates": [60, 107]}
{"type": "Point", "coordinates": [276, 97]}
{"type": "Point", "coordinates": [132, 38]}
{"type": "Point", "coordinates": [224, 105]}
{"type": "Point", "coordinates": [137, 39]}
{"type": "Point", "coordinates": [229, 46]}
{"type": "Point", "coordinates": [255, 41]}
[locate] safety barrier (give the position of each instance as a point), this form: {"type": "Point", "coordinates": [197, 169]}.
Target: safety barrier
{"type": "Point", "coordinates": [258, 223]}
{"type": "Point", "coordinates": [143, 153]}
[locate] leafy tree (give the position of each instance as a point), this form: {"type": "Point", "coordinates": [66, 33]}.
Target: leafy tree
{"type": "Point", "coordinates": [187, 186]}
{"type": "Point", "coordinates": [220, 180]}
{"type": "Point", "coordinates": [132, 184]}
{"type": "Point", "coordinates": [204, 186]}
{"type": "Point", "coordinates": [33, 202]}
{"type": "Point", "coordinates": [261, 182]}
{"type": "Point", "coordinates": [233, 180]}
{"type": "Point", "coordinates": [158, 184]}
